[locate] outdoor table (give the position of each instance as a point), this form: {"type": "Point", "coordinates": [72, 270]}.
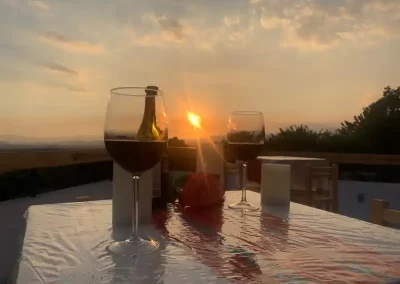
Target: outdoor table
{"type": "Point", "coordinates": [67, 243]}
{"type": "Point", "coordinates": [298, 167]}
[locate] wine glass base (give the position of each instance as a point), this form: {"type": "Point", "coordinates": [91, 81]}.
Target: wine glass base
{"type": "Point", "coordinates": [134, 247]}
{"type": "Point", "coordinates": [243, 206]}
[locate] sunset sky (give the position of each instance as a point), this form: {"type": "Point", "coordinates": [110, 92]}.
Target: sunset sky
{"type": "Point", "coordinates": [316, 62]}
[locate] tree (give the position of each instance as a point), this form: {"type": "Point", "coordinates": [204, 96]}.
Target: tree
{"type": "Point", "coordinates": [377, 128]}
{"type": "Point", "coordinates": [176, 142]}
{"type": "Point", "coordinates": [296, 138]}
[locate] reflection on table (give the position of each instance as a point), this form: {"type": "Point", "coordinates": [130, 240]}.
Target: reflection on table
{"type": "Point", "coordinates": [67, 243]}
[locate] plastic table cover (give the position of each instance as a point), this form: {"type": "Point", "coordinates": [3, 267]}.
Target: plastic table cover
{"type": "Point", "coordinates": [67, 243]}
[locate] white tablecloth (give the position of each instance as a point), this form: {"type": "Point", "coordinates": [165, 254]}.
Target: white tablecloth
{"type": "Point", "coordinates": [284, 159]}
{"type": "Point", "coordinates": [67, 243]}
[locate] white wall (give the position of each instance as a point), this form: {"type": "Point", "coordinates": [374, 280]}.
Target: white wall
{"type": "Point", "coordinates": [348, 197]}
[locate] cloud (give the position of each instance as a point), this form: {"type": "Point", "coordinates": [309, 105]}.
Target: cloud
{"type": "Point", "coordinates": [171, 29]}
{"type": "Point", "coordinates": [71, 45]}
{"type": "Point", "coordinates": [55, 67]}
{"type": "Point", "coordinates": [230, 31]}
{"type": "Point", "coordinates": [38, 4]}
{"type": "Point", "coordinates": [231, 21]}
{"type": "Point", "coordinates": [174, 27]}
{"type": "Point", "coordinates": [75, 89]}
{"type": "Point", "coordinates": [68, 87]}
{"type": "Point", "coordinates": [274, 22]}
{"type": "Point", "coordinates": [321, 25]}
{"type": "Point", "coordinates": [12, 3]}
{"type": "Point", "coordinates": [163, 31]}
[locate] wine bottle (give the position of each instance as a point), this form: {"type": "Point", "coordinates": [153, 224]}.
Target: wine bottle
{"type": "Point", "coordinates": [160, 183]}
{"type": "Point", "coordinates": [149, 130]}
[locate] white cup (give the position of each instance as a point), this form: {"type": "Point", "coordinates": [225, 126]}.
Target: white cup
{"type": "Point", "coordinates": [275, 184]}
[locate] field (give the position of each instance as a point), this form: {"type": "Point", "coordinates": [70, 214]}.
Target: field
{"type": "Point", "coordinates": [19, 160]}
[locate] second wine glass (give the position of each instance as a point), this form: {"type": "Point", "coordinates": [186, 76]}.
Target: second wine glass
{"type": "Point", "coordinates": [246, 136]}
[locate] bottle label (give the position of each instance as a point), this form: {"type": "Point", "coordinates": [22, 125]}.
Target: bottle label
{"type": "Point", "coordinates": [157, 181]}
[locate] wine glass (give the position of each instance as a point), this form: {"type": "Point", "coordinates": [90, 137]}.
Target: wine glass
{"type": "Point", "coordinates": [245, 136]}
{"type": "Point", "coordinates": [135, 136]}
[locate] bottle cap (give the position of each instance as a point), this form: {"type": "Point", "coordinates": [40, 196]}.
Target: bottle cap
{"type": "Point", "coordinates": [151, 90]}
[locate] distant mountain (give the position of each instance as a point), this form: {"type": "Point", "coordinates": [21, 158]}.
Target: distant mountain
{"type": "Point", "coordinates": [15, 139]}
{"type": "Point", "coordinates": [5, 146]}
{"type": "Point", "coordinates": [18, 139]}
{"type": "Point", "coordinates": [80, 144]}
{"type": "Point", "coordinates": [38, 145]}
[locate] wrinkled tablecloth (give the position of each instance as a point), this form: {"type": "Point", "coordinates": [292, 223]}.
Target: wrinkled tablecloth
{"type": "Point", "coordinates": [67, 243]}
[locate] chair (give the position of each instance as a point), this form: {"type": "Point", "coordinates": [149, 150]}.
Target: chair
{"type": "Point", "coordinates": [315, 194]}
{"type": "Point", "coordinates": [382, 215]}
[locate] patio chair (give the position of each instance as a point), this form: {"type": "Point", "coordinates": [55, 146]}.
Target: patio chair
{"type": "Point", "coordinates": [315, 194]}
{"type": "Point", "coordinates": [382, 215]}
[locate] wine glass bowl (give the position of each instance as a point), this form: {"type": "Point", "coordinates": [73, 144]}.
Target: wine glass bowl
{"type": "Point", "coordinates": [135, 136]}
{"type": "Point", "coordinates": [245, 137]}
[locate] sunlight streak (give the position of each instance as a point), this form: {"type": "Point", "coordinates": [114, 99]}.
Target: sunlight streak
{"type": "Point", "coordinates": [195, 120]}
{"type": "Point", "coordinates": [215, 147]}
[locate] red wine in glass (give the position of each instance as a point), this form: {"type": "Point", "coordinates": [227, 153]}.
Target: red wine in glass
{"type": "Point", "coordinates": [245, 151]}
{"type": "Point", "coordinates": [135, 156]}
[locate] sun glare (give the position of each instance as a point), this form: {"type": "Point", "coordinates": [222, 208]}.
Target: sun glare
{"type": "Point", "coordinates": [194, 119]}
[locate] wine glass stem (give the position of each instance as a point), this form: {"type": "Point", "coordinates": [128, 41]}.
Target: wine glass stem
{"type": "Point", "coordinates": [135, 211]}
{"type": "Point", "coordinates": [244, 182]}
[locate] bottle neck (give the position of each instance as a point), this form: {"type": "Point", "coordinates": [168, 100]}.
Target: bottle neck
{"type": "Point", "coordinates": [149, 109]}
{"type": "Point", "coordinates": [146, 130]}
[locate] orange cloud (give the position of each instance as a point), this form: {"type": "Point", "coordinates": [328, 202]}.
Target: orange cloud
{"type": "Point", "coordinates": [71, 45]}
{"type": "Point", "coordinates": [232, 31]}
{"type": "Point", "coordinates": [71, 88]}
{"type": "Point", "coordinates": [58, 68]}
{"type": "Point", "coordinates": [320, 25]}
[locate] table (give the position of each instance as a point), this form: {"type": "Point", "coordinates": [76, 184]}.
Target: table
{"type": "Point", "coordinates": [298, 167]}
{"type": "Point", "coordinates": [67, 243]}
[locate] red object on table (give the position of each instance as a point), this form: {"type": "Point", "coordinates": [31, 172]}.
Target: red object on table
{"type": "Point", "coordinates": [202, 190]}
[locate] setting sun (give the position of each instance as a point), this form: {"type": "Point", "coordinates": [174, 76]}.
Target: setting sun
{"type": "Point", "coordinates": [194, 119]}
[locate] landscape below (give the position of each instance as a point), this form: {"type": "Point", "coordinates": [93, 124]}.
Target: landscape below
{"type": "Point", "coordinates": [31, 168]}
